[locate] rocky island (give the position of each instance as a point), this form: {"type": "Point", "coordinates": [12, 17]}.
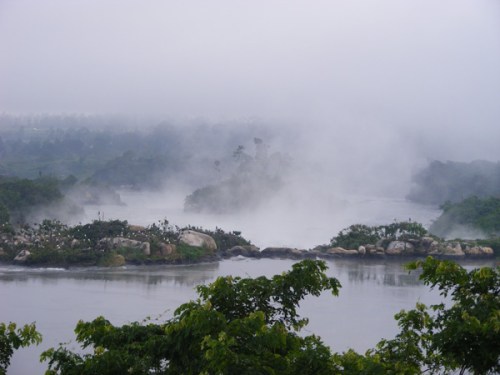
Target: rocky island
{"type": "Point", "coordinates": [116, 243]}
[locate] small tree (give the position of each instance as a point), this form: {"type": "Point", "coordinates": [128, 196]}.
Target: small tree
{"type": "Point", "coordinates": [466, 334]}
{"type": "Point", "coordinates": [13, 338]}
{"type": "Point", "coordinates": [463, 336]}
{"type": "Point", "coordinates": [237, 326]}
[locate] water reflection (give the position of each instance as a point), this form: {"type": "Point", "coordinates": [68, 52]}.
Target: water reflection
{"type": "Point", "coordinates": [387, 272]}
{"type": "Point", "coordinates": [372, 292]}
{"type": "Point", "coordinates": [187, 275]}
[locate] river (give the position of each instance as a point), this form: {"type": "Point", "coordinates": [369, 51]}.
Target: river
{"type": "Point", "coordinates": [299, 221]}
{"type": "Point", "coordinates": [372, 292]}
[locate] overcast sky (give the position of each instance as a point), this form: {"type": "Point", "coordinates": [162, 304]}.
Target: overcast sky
{"type": "Point", "coordinates": [422, 64]}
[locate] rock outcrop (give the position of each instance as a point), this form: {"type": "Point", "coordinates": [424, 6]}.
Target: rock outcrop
{"type": "Point", "coordinates": [400, 248]}
{"type": "Point", "coordinates": [167, 249]}
{"type": "Point", "coordinates": [22, 256]}
{"type": "Point", "coordinates": [341, 251]}
{"type": "Point", "coordinates": [197, 239]}
{"type": "Point", "coordinates": [246, 251]}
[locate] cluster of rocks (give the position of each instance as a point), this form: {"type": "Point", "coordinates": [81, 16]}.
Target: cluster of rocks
{"type": "Point", "coordinates": [410, 247]}
{"type": "Point", "coordinates": [26, 241]}
{"type": "Point", "coordinates": [413, 247]}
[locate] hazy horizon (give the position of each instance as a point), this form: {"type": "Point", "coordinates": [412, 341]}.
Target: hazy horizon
{"type": "Point", "coordinates": [361, 94]}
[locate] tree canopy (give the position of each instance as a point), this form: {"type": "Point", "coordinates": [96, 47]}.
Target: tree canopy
{"type": "Point", "coordinates": [252, 326]}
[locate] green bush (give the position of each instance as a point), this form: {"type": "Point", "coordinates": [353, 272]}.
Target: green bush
{"type": "Point", "coordinates": [358, 234]}
{"type": "Point", "coordinates": [98, 229]}
{"type": "Point", "coordinates": [191, 253]}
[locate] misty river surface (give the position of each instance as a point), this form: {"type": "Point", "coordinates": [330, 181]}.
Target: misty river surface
{"type": "Point", "coordinates": [372, 292]}
{"type": "Point", "coordinates": [300, 221]}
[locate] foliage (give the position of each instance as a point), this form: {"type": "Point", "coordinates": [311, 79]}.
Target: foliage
{"type": "Point", "coordinates": [132, 171]}
{"type": "Point", "coordinates": [466, 333]}
{"type": "Point", "coordinates": [163, 232]}
{"type": "Point", "coordinates": [19, 196]}
{"type": "Point", "coordinates": [49, 256]}
{"type": "Point", "coordinates": [358, 234]}
{"type": "Point", "coordinates": [355, 236]}
{"type": "Point", "coordinates": [4, 214]}
{"type": "Point", "coordinates": [98, 229]}
{"type": "Point", "coordinates": [224, 240]}
{"type": "Point", "coordinates": [455, 181]}
{"type": "Point", "coordinates": [190, 253]}
{"type": "Point", "coordinates": [441, 339]}
{"type": "Point", "coordinates": [12, 339]}
{"type": "Point", "coordinates": [254, 178]}
{"type": "Point", "coordinates": [250, 326]}
{"type": "Point", "coordinates": [237, 325]}
{"type": "Point", "coordinates": [481, 214]}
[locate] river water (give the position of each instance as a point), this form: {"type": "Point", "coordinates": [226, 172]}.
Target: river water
{"type": "Point", "coordinates": [372, 292]}
{"type": "Point", "coordinates": [300, 221]}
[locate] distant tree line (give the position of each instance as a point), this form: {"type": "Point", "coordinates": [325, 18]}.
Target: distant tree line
{"type": "Point", "coordinates": [453, 182]}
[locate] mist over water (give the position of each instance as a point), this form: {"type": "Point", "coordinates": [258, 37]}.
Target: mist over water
{"type": "Point", "coordinates": [361, 95]}
{"type": "Point", "coordinates": [354, 97]}
{"type": "Point", "coordinates": [301, 222]}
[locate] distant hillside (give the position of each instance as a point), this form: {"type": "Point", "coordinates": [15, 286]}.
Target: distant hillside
{"type": "Point", "coordinates": [120, 152]}
{"type": "Point", "coordinates": [472, 218]}
{"type": "Point", "coordinates": [455, 181]}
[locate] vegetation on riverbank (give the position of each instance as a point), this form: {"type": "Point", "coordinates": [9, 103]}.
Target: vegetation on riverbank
{"type": "Point", "coordinates": [108, 243]}
{"type": "Point", "coordinates": [116, 243]}
{"type": "Point", "coordinates": [244, 325]}
{"type": "Point", "coordinates": [453, 181]}
{"type": "Point", "coordinates": [474, 215]}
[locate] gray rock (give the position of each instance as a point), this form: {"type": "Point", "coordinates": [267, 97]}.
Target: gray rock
{"type": "Point", "coordinates": [399, 248]}
{"type": "Point", "coordinates": [434, 247]}
{"type": "Point", "coordinates": [246, 251]}
{"type": "Point", "coordinates": [427, 241]}
{"type": "Point", "coordinates": [478, 250]}
{"type": "Point", "coordinates": [167, 249]}
{"type": "Point", "coordinates": [270, 252]}
{"type": "Point", "coordinates": [341, 251]}
{"type": "Point", "coordinates": [453, 250]}
{"type": "Point", "coordinates": [362, 250]}
{"type": "Point", "coordinates": [146, 248]}
{"type": "Point", "coordinates": [197, 239]}
{"type": "Point", "coordinates": [487, 250]}
{"type": "Point", "coordinates": [22, 256]}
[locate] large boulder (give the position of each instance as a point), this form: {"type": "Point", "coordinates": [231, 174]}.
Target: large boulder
{"type": "Point", "coordinates": [399, 248]}
{"type": "Point", "coordinates": [167, 249]}
{"type": "Point", "coordinates": [453, 250]}
{"type": "Point", "coordinates": [281, 252]}
{"type": "Point", "coordinates": [341, 251]}
{"type": "Point", "coordinates": [22, 256]}
{"type": "Point", "coordinates": [246, 251]}
{"type": "Point", "coordinates": [197, 239]}
{"type": "Point", "coordinates": [478, 250]}
{"type": "Point", "coordinates": [487, 250]}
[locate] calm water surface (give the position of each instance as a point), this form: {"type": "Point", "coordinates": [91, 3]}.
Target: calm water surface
{"type": "Point", "coordinates": [372, 292]}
